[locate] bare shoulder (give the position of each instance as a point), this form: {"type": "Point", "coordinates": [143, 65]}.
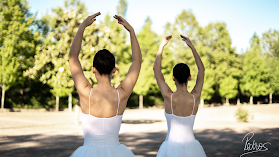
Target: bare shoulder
{"type": "Point", "coordinates": [123, 96]}
{"type": "Point", "coordinates": [197, 101]}
{"type": "Point", "coordinates": [84, 99]}
{"type": "Point", "coordinates": [196, 93]}
{"type": "Point", "coordinates": [167, 102]}
{"type": "Point", "coordinates": [85, 91]}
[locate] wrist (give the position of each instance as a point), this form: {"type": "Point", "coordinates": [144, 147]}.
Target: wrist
{"type": "Point", "coordinates": [192, 47]}
{"type": "Point", "coordinates": [82, 26]}
{"type": "Point", "coordinates": [161, 47]}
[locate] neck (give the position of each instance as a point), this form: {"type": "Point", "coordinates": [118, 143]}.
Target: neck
{"type": "Point", "coordinates": [181, 88]}
{"type": "Point", "coordinates": [103, 81]}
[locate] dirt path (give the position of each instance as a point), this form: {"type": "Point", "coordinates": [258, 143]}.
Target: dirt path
{"type": "Point", "coordinates": [59, 134]}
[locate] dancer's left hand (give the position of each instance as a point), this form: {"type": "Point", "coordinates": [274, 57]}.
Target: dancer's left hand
{"type": "Point", "coordinates": [90, 19]}
{"type": "Point", "coordinates": [187, 40]}
{"type": "Point", "coordinates": [123, 22]}
{"type": "Point", "coordinates": [165, 40]}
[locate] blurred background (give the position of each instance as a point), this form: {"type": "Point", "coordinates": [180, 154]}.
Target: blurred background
{"type": "Point", "coordinates": [238, 42]}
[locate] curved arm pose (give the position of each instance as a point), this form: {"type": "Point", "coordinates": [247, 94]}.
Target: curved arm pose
{"type": "Point", "coordinates": [82, 84]}
{"type": "Point", "coordinates": [180, 106]}
{"type": "Point", "coordinates": [103, 106]}
{"type": "Point", "coordinates": [164, 88]}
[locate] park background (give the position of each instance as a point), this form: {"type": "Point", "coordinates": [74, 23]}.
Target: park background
{"type": "Point", "coordinates": [237, 41]}
{"type": "Point", "coordinates": [34, 54]}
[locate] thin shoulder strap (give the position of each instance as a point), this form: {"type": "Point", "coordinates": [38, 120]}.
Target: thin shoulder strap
{"type": "Point", "coordinates": [118, 102]}
{"type": "Point", "coordinates": [194, 104]}
{"type": "Point", "coordinates": [89, 99]}
{"type": "Point", "coordinates": [171, 104]}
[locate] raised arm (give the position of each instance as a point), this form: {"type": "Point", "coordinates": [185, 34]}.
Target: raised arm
{"type": "Point", "coordinates": [76, 70]}
{"type": "Point", "coordinates": [129, 82]}
{"type": "Point", "coordinates": [164, 88]}
{"type": "Point", "coordinates": [200, 77]}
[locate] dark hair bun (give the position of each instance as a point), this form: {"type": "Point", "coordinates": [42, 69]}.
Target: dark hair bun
{"type": "Point", "coordinates": [104, 62]}
{"type": "Point", "coordinates": [181, 72]}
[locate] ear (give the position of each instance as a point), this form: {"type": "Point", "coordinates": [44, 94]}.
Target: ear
{"type": "Point", "coordinates": [173, 78]}
{"type": "Point", "coordinates": [94, 70]}
{"type": "Point", "coordinates": [113, 70]}
{"type": "Point", "coordinates": [189, 78]}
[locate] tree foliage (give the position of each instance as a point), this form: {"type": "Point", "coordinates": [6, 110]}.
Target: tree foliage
{"type": "Point", "coordinates": [18, 41]}
{"type": "Point", "coordinates": [51, 64]}
{"type": "Point", "coordinates": [255, 71]}
{"type": "Point", "coordinates": [25, 65]}
{"type": "Point", "coordinates": [149, 43]}
{"type": "Point", "coordinates": [270, 45]}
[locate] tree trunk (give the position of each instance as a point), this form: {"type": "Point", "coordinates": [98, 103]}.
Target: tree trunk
{"type": "Point", "coordinates": [251, 100]}
{"type": "Point", "coordinates": [141, 102]}
{"type": "Point", "coordinates": [227, 101]}
{"type": "Point", "coordinates": [57, 103]}
{"type": "Point", "coordinates": [202, 103]}
{"type": "Point", "coordinates": [270, 98]}
{"type": "Point", "coordinates": [238, 102]}
{"type": "Point", "coordinates": [3, 97]}
{"type": "Point", "coordinates": [70, 103]}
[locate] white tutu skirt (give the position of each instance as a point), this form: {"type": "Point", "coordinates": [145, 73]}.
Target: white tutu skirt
{"type": "Point", "coordinates": [187, 149]}
{"type": "Point", "coordinates": [107, 151]}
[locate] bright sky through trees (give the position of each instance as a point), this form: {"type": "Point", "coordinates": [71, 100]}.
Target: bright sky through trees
{"type": "Point", "coordinates": [243, 18]}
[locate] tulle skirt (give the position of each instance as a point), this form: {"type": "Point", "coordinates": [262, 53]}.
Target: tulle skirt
{"type": "Point", "coordinates": [187, 149]}
{"type": "Point", "coordinates": [107, 151]}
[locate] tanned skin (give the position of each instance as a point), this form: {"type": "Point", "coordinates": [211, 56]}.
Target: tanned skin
{"type": "Point", "coordinates": [182, 99]}
{"type": "Point", "coordinates": [104, 98]}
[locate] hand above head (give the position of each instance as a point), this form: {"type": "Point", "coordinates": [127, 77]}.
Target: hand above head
{"type": "Point", "coordinates": [123, 22]}
{"type": "Point", "coordinates": [165, 40]}
{"type": "Point", "coordinates": [90, 19]}
{"type": "Point", "coordinates": [187, 40]}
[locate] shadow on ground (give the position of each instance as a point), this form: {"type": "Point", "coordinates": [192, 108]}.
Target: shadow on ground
{"type": "Point", "coordinates": [227, 143]}
{"type": "Point", "coordinates": [141, 121]}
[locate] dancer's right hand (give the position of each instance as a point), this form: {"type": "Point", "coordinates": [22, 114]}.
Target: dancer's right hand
{"type": "Point", "coordinates": [165, 40]}
{"type": "Point", "coordinates": [187, 40]}
{"type": "Point", "coordinates": [123, 22]}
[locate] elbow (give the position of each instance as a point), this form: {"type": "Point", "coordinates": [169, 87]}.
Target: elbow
{"type": "Point", "coordinates": [72, 57]}
{"type": "Point", "coordinates": [138, 60]}
{"type": "Point", "coordinates": [202, 69]}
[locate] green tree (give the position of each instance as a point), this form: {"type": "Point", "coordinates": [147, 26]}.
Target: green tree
{"type": "Point", "coordinates": [18, 41]}
{"type": "Point", "coordinates": [270, 44]}
{"type": "Point", "coordinates": [51, 60]}
{"type": "Point", "coordinates": [148, 41]}
{"type": "Point", "coordinates": [122, 8]}
{"type": "Point", "coordinates": [256, 74]}
{"type": "Point", "coordinates": [223, 60]}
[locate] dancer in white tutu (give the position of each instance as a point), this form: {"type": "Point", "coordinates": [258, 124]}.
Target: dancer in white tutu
{"type": "Point", "coordinates": [180, 107]}
{"type": "Point", "coordinates": [102, 106]}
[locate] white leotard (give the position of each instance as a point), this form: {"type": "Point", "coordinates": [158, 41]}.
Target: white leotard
{"type": "Point", "coordinates": [101, 136]}
{"type": "Point", "coordinates": [101, 131]}
{"type": "Point", "coordinates": [180, 140]}
{"type": "Point", "coordinates": [180, 129]}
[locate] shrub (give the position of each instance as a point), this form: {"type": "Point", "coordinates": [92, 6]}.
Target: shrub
{"type": "Point", "coordinates": [241, 114]}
